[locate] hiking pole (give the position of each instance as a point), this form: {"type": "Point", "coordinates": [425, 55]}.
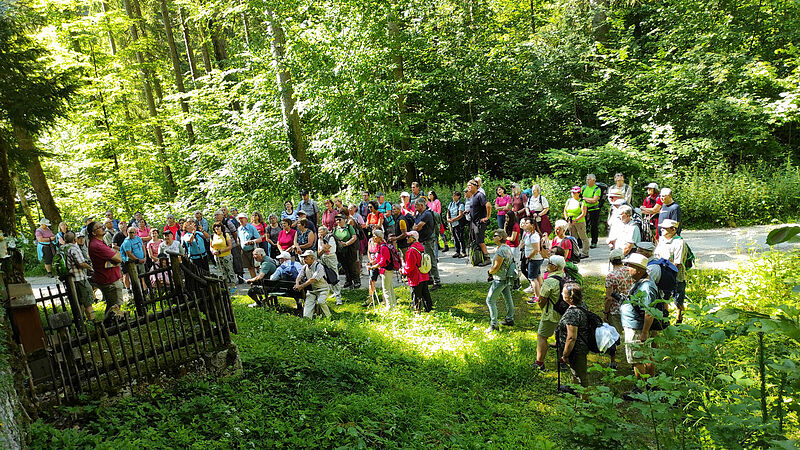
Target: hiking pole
{"type": "Point", "coordinates": [558, 366]}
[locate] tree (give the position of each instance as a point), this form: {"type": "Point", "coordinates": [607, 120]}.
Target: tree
{"type": "Point", "coordinates": [176, 66]}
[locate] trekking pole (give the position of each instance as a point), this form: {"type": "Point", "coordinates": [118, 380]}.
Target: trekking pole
{"type": "Point", "coordinates": [558, 366]}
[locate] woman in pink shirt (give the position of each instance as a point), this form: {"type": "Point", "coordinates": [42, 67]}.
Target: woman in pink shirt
{"type": "Point", "coordinates": [143, 231]}
{"type": "Point", "coordinates": [436, 206]}
{"type": "Point", "coordinates": [503, 204]}
{"type": "Point", "coordinates": [286, 235]}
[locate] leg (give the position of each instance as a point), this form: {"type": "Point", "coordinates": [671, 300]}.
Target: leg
{"type": "Point", "coordinates": [578, 367]}
{"type": "Point", "coordinates": [506, 292]}
{"type": "Point", "coordinates": [255, 293]}
{"type": "Point", "coordinates": [594, 221]}
{"type": "Point", "coordinates": [427, 301]}
{"type": "Point", "coordinates": [491, 301]}
{"type": "Point", "coordinates": [580, 230]}
{"type": "Point", "coordinates": [388, 289]}
{"type": "Point", "coordinates": [337, 292]}
{"type": "Point", "coordinates": [546, 329]}
{"type": "Point", "coordinates": [501, 221]}
{"type": "Point", "coordinates": [308, 306]}
{"type": "Point", "coordinates": [236, 253]}
{"type": "Point", "coordinates": [680, 298]}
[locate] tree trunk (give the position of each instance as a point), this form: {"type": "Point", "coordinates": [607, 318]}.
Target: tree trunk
{"type": "Point", "coordinates": [402, 109]}
{"type": "Point", "coordinates": [111, 41]}
{"type": "Point", "coordinates": [23, 202]}
{"type": "Point", "coordinates": [218, 43]}
{"type": "Point", "coordinates": [291, 118]}
{"type": "Point", "coordinates": [176, 67]}
{"type": "Point", "coordinates": [36, 174]}
{"type": "Point", "coordinates": [187, 42]}
{"type": "Point", "coordinates": [137, 11]}
{"type": "Point", "coordinates": [8, 221]}
{"type": "Point", "coordinates": [204, 51]}
{"type": "Point", "coordinates": [151, 106]}
{"type": "Point", "coordinates": [245, 25]}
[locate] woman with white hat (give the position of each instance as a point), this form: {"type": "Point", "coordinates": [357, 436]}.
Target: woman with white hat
{"type": "Point", "coordinates": [46, 245]}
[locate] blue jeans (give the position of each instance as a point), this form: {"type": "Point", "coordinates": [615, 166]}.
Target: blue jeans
{"type": "Point", "coordinates": [501, 221]}
{"type": "Point", "coordinates": [500, 287]}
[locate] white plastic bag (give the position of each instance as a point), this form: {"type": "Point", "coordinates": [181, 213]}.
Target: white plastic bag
{"type": "Point", "coordinates": [606, 335]}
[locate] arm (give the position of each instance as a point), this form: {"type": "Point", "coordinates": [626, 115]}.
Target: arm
{"type": "Point", "coordinates": [572, 337]}
{"type": "Point", "coordinates": [498, 262]}
{"type": "Point", "coordinates": [583, 213]}
{"type": "Point", "coordinates": [648, 322]}
{"type": "Point", "coordinates": [311, 239]}
{"type": "Point", "coordinates": [513, 236]}
{"type": "Point", "coordinates": [593, 199]}
{"type": "Point", "coordinates": [654, 210]}
{"type": "Point", "coordinates": [488, 212]}
{"type": "Point", "coordinates": [117, 258]}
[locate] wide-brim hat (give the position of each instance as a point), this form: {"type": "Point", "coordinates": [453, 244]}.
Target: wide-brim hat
{"type": "Point", "coordinates": [636, 260]}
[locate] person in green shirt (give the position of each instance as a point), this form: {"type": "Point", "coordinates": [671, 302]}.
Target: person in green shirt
{"type": "Point", "coordinates": [591, 196]}
{"type": "Point", "coordinates": [266, 269]}
{"type": "Point", "coordinates": [575, 211]}
{"type": "Point", "coordinates": [551, 288]}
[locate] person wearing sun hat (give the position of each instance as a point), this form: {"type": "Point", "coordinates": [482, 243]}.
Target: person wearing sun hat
{"type": "Point", "coordinates": [575, 214]}
{"type": "Point", "coordinates": [673, 248]}
{"type": "Point", "coordinates": [46, 245]}
{"type": "Point", "coordinates": [618, 281]}
{"type": "Point", "coordinates": [312, 279]}
{"type": "Point", "coordinates": [635, 320]}
{"type": "Point", "coordinates": [551, 288]}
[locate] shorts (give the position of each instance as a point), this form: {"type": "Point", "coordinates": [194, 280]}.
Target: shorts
{"type": "Point", "coordinates": [112, 293]}
{"type": "Point", "coordinates": [477, 232]}
{"type": "Point", "coordinates": [84, 292]}
{"type": "Point", "coordinates": [48, 251]}
{"type": "Point", "coordinates": [247, 259]}
{"type": "Point", "coordinates": [546, 328]}
{"type": "Point", "coordinates": [635, 352]}
{"type": "Point", "coordinates": [140, 270]}
{"type": "Point", "coordinates": [374, 274]}
{"type": "Point", "coordinates": [534, 268]}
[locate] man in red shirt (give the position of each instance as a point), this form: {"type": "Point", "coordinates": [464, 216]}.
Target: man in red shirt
{"type": "Point", "coordinates": [107, 274]}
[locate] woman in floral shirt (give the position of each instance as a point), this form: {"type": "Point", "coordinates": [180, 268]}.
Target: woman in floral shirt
{"type": "Point", "coordinates": [618, 281]}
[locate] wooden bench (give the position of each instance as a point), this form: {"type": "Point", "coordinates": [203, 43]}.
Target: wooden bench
{"type": "Point", "coordinates": [277, 288]}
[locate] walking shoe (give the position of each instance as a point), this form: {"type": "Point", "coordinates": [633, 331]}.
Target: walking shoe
{"type": "Point", "coordinates": [533, 300]}
{"type": "Point", "coordinates": [232, 290]}
{"type": "Point", "coordinates": [339, 302]}
{"type": "Point", "coordinates": [529, 290]}
{"type": "Point", "coordinates": [507, 323]}
{"type": "Point", "coordinates": [436, 287]}
{"type": "Point", "coordinates": [492, 329]}
{"type": "Point", "coordinates": [538, 366]}
{"type": "Point", "coordinates": [593, 245]}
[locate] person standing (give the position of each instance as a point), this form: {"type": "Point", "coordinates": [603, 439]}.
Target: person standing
{"type": "Point", "coordinates": [202, 223]}
{"type": "Point", "coordinates": [670, 209]}
{"type": "Point", "coordinates": [311, 208]}
{"type": "Point", "coordinates": [327, 256]}
{"type": "Point", "coordinates": [399, 232]}
{"type": "Point", "coordinates": [312, 280]}
{"type": "Point", "coordinates": [109, 230]}
{"type": "Point", "coordinates": [618, 284]}
{"type": "Point", "coordinates": [230, 227]}
{"type": "Point", "coordinates": [480, 210]}
{"type": "Point", "coordinates": [132, 250]}
{"type": "Point", "coordinates": [501, 275]}
{"type": "Point", "coordinates": [424, 224]}
{"type": "Point", "coordinates": [551, 291]}
{"type": "Point", "coordinates": [651, 206]}
{"type": "Point", "coordinates": [346, 249]}
{"type": "Point", "coordinates": [532, 250]}
{"type": "Point", "coordinates": [456, 217]}
{"type": "Point", "coordinates": [418, 281]}
{"type": "Point", "coordinates": [107, 275]}
{"type": "Point", "coordinates": [383, 264]}
{"type": "Point", "coordinates": [46, 245]}
{"type": "Point", "coordinates": [194, 242]}
{"type": "Point", "coordinates": [575, 212]}
{"type": "Point", "coordinates": [625, 189]}
{"type": "Point", "coordinates": [221, 245]}
{"type": "Point", "coordinates": [406, 207]}
{"type": "Point", "coordinates": [171, 225]}
{"type": "Point", "coordinates": [415, 193]}
{"type": "Point", "coordinates": [518, 201]}
{"type": "Point", "coordinates": [78, 267]}
{"type": "Point", "coordinates": [573, 334]}
{"type": "Point", "coordinates": [249, 237]}
{"type": "Point", "coordinates": [385, 208]}
{"type": "Point", "coordinates": [503, 205]}
{"type": "Point", "coordinates": [590, 194]}
{"type": "Point", "coordinates": [329, 215]}
{"type": "Point", "coordinates": [363, 207]}
{"type": "Point", "coordinates": [538, 208]}
{"type": "Point", "coordinates": [635, 320]}
{"type": "Point", "coordinates": [673, 248]}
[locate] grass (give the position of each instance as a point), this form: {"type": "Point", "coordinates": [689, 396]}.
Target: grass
{"type": "Point", "coordinates": [366, 378]}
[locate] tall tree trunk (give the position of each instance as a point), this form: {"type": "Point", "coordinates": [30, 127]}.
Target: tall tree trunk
{"type": "Point", "coordinates": [176, 67]}
{"type": "Point", "coordinates": [399, 77]}
{"type": "Point", "coordinates": [204, 50]}
{"type": "Point", "coordinates": [187, 42]}
{"type": "Point", "coordinates": [291, 118]}
{"type": "Point", "coordinates": [245, 25]}
{"type": "Point", "coordinates": [111, 41]}
{"type": "Point", "coordinates": [23, 202]}
{"type": "Point", "coordinates": [151, 106]}
{"type": "Point", "coordinates": [8, 221]}
{"type": "Point", "coordinates": [36, 174]}
{"type": "Point", "coordinates": [137, 11]}
{"type": "Point", "coordinates": [218, 43]}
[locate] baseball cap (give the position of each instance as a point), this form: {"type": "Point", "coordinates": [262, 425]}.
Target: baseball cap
{"type": "Point", "coordinates": [668, 223]}
{"type": "Point", "coordinates": [646, 245]}
{"type": "Point", "coordinates": [575, 190]}
{"type": "Point", "coordinates": [666, 191]}
{"type": "Point", "coordinates": [615, 254]}
{"type": "Point", "coordinates": [413, 234]}
{"type": "Point", "coordinates": [652, 186]}
{"type": "Point", "coordinates": [242, 216]}
{"type": "Point", "coordinates": [308, 253]}
{"type": "Point", "coordinates": [405, 194]}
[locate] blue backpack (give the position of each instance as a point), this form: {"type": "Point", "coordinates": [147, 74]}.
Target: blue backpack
{"type": "Point", "coordinates": [669, 277]}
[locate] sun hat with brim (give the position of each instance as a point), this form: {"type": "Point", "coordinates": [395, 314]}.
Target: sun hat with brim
{"type": "Point", "coordinates": [413, 234]}
{"type": "Point", "coordinates": [242, 216]}
{"type": "Point", "coordinates": [668, 223]}
{"type": "Point", "coordinates": [284, 255]}
{"type": "Point", "coordinates": [652, 186]}
{"type": "Point", "coordinates": [308, 253]}
{"type": "Point", "coordinates": [405, 194]}
{"type": "Point", "coordinates": [647, 246]}
{"type": "Point", "coordinates": [558, 261]}
{"type": "Point", "coordinates": [575, 190]}
{"type": "Point", "coordinates": [619, 202]}
{"type": "Point", "coordinates": [615, 254]}
{"type": "Point", "coordinates": [615, 192]}
{"type": "Point", "coordinates": [636, 260]}
{"type": "Point", "coordinates": [44, 222]}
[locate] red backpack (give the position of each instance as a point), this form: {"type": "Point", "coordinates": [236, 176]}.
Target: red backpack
{"type": "Point", "coordinates": [394, 258]}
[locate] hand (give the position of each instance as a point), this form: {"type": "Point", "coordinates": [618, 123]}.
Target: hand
{"type": "Point", "coordinates": [485, 219]}
{"type": "Point", "coordinates": [563, 361]}
{"type": "Point", "coordinates": [297, 287]}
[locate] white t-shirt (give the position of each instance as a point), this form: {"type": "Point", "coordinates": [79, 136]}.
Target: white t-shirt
{"type": "Point", "coordinates": [537, 203]}
{"type": "Point", "coordinates": [175, 248]}
{"type": "Point", "coordinates": [672, 250]}
{"type": "Point", "coordinates": [531, 241]}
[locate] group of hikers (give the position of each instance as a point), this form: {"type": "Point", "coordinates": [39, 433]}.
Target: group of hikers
{"type": "Point", "coordinates": [313, 246]}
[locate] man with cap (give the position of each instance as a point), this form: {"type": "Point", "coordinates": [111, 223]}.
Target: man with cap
{"type": "Point", "coordinates": [385, 269]}
{"type": "Point", "coordinates": [425, 225]}
{"type": "Point", "coordinates": [310, 207]}
{"type": "Point", "coordinates": [88, 219]}
{"type": "Point", "coordinates": [636, 321]}
{"type": "Point", "coordinates": [249, 237]}
{"type": "Point", "coordinates": [624, 233]}
{"type": "Point", "coordinates": [502, 277]}
{"type": "Point", "coordinates": [312, 279]}
{"type": "Point", "coordinates": [267, 267]}
{"type": "Point", "coordinates": [651, 206]}
{"type": "Point", "coordinates": [310, 225]}
{"type": "Point", "coordinates": [590, 193]}
{"type": "Point", "coordinates": [406, 207]}
{"type": "Point", "coordinates": [551, 290]}
{"type": "Point", "coordinates": [80, 242]}
{"type": "Point", "coordinates": [670, 209]}
{"type": "Point", "coordinates": [287, 269]}
{"type": "Point", "coordinates": [673, 248]}
{"type": "Point", "coordinates": [418, 281]}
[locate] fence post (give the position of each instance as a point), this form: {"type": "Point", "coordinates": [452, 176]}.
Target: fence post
{"type": "Point", "coordinates": [136, 287]}
{"type": "Point", "coordinates": [77, 312]}
{"type": "Point", "coordinates": [177, 276]}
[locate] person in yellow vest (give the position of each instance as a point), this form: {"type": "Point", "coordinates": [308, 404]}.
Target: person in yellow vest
{"type": "Point", "coordinates": [591, 193]}
{"type": "Point", "coordinates": [575, 211]}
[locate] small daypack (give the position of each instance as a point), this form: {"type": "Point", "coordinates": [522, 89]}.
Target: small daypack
{"type": "Point", "coordinates": [476, 256]}
{"type": "Point", "coordinates": [425, 263]}
{"type": "Point", "coordinates": [575, 253]}
{"type": "Point", "coordinates": [560, 306]}
{"type": "Point", "coordinates": [394, 258]}
{"type": "Point", "coordinates": [60, 263]}
{"type": "Point", "coordinates": [669, 277]}
{"type": "Point", "coordinates": [688, 262]}
{"type": "Point", "coordinates": [331, 277]}
{"type": "Point", "coordinates": [596, 326]}
{"type": "Point", "coordinates": [644, 229]}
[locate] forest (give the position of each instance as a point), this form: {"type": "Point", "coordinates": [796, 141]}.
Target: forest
{"type": "Point", "coordinates": [172, 105]}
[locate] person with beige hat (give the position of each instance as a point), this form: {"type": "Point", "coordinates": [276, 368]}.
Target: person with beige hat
{"type": "Point", "coordinates": [635, 320]}
{"type": "Point", "coordinates": [312, 279]}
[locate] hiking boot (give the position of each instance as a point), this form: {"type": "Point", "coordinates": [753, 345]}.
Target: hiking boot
{"type": "Point", "coordinates": [436, 287]}
{"type": "Point", "coordinates": [507, 323]}
{"type": "Point", "coordinates": [593, 245]}
{"type": "Point", "coordinates": [538, 366]}
{"type": "Point", "coordinates": [492, 329]}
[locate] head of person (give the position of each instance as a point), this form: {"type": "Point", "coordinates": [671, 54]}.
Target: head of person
{"type": "Point", "coordinates": [142, 223]}
{"type": "Point", "coordinates": [645, 249]}
{"type": "Point", "coordinates": [625, 213]}
{"type": "Point", "coordinates": [288, 206]}
{"type": "Point", "coordinates": [110, 215]}
{"type": "Point", "coordinates": [345, 213]}
{"type": "Point", "coordinates": [561, 228]}
{"type": "Point", "coordinates": [225, 211]}
{"type": "Point", "coordinates": [590, 179]}
{"type": "Point", "coordinates": [652, 190]}
{"type": "Point", "coordinates": [284, 256]}
{"type": "Point", "coordinates": [412, 236]}
{"type": "Point", "coordinates": [122, 225]}
{"type": "Point", "coordinates": [472, 186]}
{"type": "Point", "coordinates": [637, 265]}
{"type": "Point", "coordinates": [614, 194]}
{"type": "Point", "coordinates": [154, 234]}
{"type": "Point", "coordinates": [525, 224]}
{"type": "Point", "coordinates": [301, 214]}
{"type": "Point", "coordinates": [218, 216]}
{"type": "Point", "coordinates": [373, 206]}
{"type": "Point", "coordinates": [572, 293]}
{"type": "Point", "coordinates": [86, 220]}
{"type": "Point", "coordinates": [132, 232]}
{"type": "Point", "coordinates": [379, 196]}
{"type": "Point", "coordinates": [516, 190]}
{"type": "Point", "coordinates": [80, 238]}
{"type": "Point", "coordinates": [340, 220]}
{"type": "Point", "coordinates": [395, 210]}
{"type": "Point", "coordinates": [365, 196]}
{"type": "Point", "coordinates": [420, 204]}
{"type": "Point", "coordinates": [302, 223]}
{"type": "Point", "coordinates": [535, 190]}
{"type": "Point", "coordinates": [353, 209]}
{"type": "Point", "coordinates": [500, 190]}
{"type": "Point", "coordinates": [328, 204]}
{"type": "Point", "coordinates": [615, 257]}
{"type": "Point", "coordinates": [62, 227]}
{"type": "Point", "coordinates": [377, 236]}
{"type": "Point", "coordinates": [286, 224]}
{"type": "Point", "coordinates": [181, 221]}
{"type": "Point", "coordinates": [44, 223]}
{"type": "Point", "coordinates": [511, 220]}
{"type": "Point", "coordinates": [171, 218]}
{"type": "Point", "coordinates": [479, 180]}
{"type": "Point", "coordinates": [456, 196]}
{"type": "Point", "coordinates": [576, 192]}
{"type": "Point", "coordinates": [670, 228]}
{"type": "Point", "coordinates": [259, 254]}
{"type": "Point", "coordinates": [619, 179]}
{"type": "Point", "coordinates": [322, 231]}
{"type": "Point", "coordinates": [666, 196]}
{"type": "Point", "coordinates": [234, 212]}
{"type": "Point", "coordinates": [137, 215]}
{"type": "Point", "coordinates": [305, 195]}
{"type": "Point", "coordinates": [405, 197]}
{"type": "Point", "coordinates": [188, 226]}
{"type": "Point", "coordinates": [69, 237]}
{"type": "Point", "coordinates": [198, 215]}
{"type": "Point", "coordinates": [217, 227]}
{"type": "Point", "coordinates": [273, 220]}
{"type": "Point", "coordinates": [338, 203]}
{"type": "Point", "coordinates": [556, 263]}
{"type": "Point", "coordinates": [308, 257]}
{"type": "Point", "coordinates": [256, 217]}
{"type": "Point", "coordinates": [432, 196]}
{"type": "Point", "coordinates": [108, 224]}
{"type": "Point", "coordinates": [169, 237]}
{"type": "Point", "coordinates": [415, 188]}
{"type": "Point", "coordinates": [242, 218]}
{"type": "Point", "coordinates": [499, 236]}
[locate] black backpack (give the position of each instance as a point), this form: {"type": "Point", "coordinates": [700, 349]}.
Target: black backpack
{"type": "Point", "coordinates": [331, 277]}
{"type": "Point", "coordinates": [644, 228]}
{"type": "Point", "coordinates": [669, 277]}
{"type": "Point", "coordinates": [603, 190]}
{"type": "Point", "coordinates": [575, 253]}
{"type": "Point", "coordinates": [561, 306]}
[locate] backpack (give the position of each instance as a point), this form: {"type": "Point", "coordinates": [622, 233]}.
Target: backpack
{"type": "Point", "coordinates": [688, 262]}
{"type": "Point", "coordinates": [644, 227]}
{"type": "Point", "coordinates": [574, 254]}
{"type": "Point", "coordinates": [603, 189]}
{"type": "Point", "coordinates": [476, 256]}
{"type": "Point", "coordinates": [509, 269]}
{"type": "Point", "coordinates": [425, 263]}
{"type": "Point", "coordinates": [60, 265]}
{"type": "Point", "coordinates": [560, 306]}
{"type": "Point", "coordinates": [331, 277]}
{"type": "Point", "coordinates": [669, 277]}
{"type": "Point", "coordinates": [394, 258]}
{"type": "Point", "coordinates": [291, 275]}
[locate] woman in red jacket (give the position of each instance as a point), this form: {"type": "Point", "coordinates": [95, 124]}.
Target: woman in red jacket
{"type": "Point", "coordinates": [417, 280]}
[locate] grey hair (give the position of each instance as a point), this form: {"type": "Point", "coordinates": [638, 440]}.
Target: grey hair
{"type": "Point", "coordinates": [591, 177]}
{"type": "Point", "coordinates": [323, 227]}
{"type": "Point", "coordinates": [259, 251]}
{"type": "Point", "coordinates": [625, 209]}
{"type": "Point", "coordinates": [421, 201]}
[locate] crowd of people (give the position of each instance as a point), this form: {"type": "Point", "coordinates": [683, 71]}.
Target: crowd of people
{"type": "Point", "coordinates": [403, 239]}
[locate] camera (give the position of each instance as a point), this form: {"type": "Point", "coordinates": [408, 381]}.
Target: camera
{"type": "Point", "coordinates": [489, 277]}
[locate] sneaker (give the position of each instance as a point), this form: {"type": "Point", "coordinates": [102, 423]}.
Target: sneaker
{"type": "Point", "coordinates": [528, 290]}
{"type": "Point", "coordinates": [232, 290]}
{"type": "Point", "coordinates": [492, 329]}
{"type": "Point", "coordinates": [507, 323]}
{"type": "Point", "coordinates": [339, 302]}
{"type": "Point", "coordinates": [533, 300]}
{"type": "Point", "coordinates": [436, 287]}
{"type": "Point", "coordinates": [593, 245]}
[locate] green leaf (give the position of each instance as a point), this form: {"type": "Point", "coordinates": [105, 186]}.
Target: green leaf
{"type": "Point", "coordinates": [782, 234]}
